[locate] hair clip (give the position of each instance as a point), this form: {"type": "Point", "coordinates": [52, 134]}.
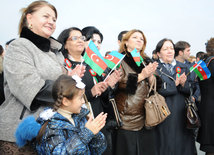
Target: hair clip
{"type": "Point", "coordinates": [47, 114]}
{"type": "Point", "coordinates": [79, 82]}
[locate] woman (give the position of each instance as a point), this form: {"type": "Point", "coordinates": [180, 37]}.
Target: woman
{"type": "Point", "coordinates": [132, 90]}
{"type": "Point", "coordinates": [206, 132]}
{"type": "Point", "coordinates": [92, 33]}
{"type": "Point", "coordinates": [31, 64]}
{"type": "Point", "coordinates": [96, 88]}
{"type": "Point", "coordinates": [172, 135]}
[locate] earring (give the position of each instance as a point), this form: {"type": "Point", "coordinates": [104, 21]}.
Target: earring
{"type": "Point", "coordinates": [30, 26]}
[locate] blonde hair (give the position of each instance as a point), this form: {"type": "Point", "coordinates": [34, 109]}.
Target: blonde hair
{"type": "Point", "coordinates": [126, 38]}
{"type": "Point", "coordinates": [34, 6]}
{"type": "Point", "coordinates": [192, 58]}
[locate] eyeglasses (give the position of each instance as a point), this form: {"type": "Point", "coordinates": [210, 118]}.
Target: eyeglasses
{"type": "Point", "coordinates": [75, 38]}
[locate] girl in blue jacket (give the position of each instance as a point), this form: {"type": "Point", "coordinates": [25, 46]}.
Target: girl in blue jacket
{"type": "Point", "coordinates": [64, 129]}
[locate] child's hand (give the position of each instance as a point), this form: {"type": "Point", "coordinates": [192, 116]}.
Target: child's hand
{"type": "Point", "coordinates": [95, 125]}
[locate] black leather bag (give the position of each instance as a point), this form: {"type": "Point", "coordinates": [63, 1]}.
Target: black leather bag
{"type": "Point", "coordinates": [193, 120]}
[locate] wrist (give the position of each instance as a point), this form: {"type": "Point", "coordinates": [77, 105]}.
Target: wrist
{"type": "Point", "coordinates": [141, 77]}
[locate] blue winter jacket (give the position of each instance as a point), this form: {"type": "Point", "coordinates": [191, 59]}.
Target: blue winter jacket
{"type": "Point", "coordinates": [61, 137]}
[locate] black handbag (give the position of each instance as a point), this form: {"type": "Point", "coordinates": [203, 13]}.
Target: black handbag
{"type": "Point", "coordinates": [193, 120]}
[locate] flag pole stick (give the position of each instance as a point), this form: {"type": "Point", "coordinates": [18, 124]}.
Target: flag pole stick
{"type": "Point", "coordinates": [114, 68]}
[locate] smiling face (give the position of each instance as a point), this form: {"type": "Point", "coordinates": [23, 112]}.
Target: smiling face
{"type": "Point", "coordinates": [75, 46]}
{"type": "Point", "coordinates": [167, 52]}
{"type": "Point", "coordinates": [136, 40]}
{"type": "Point", "coordinates": [42, 21]}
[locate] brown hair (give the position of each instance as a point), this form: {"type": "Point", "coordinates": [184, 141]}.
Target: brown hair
{"type": "Point", "coordinates": [126, 38]}
{"type": "Point", "coordinates": [210, 47]}
{"type": "Point", "coordinates": [64, 86]}
{"type": "Point", "coordinates": [33, 7]}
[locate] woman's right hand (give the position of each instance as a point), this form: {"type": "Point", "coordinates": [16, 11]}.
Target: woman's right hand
{"type": "Point", "coordinates": [147, 71]}
{"type": "Point", "coordinates": [95, 125]}
{"type": "Point", "coordinates": [99, 88]}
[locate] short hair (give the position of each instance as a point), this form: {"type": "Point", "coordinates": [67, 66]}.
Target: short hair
{"type": "Point", "coordinates": [181, 46]}
{"type": "Point", "coordinates": [123, 47]}
{"type": "Point", "coordinates": [160, 44]}
{"type": "Point", "coordinates": [210, 47]}
{"type": "Point", "coordinates": [34, 6]}
{"type": "Point", "coordinates": [1, 49]}
{"type": "Point", "coordinates": [89, 31]}
{"type": "Point", "coordinates": [63, 36]}
{"type": "Point", "coordinates": [154, 52]}
{"type": "Point", "coordinates": [200, 55]}
{"type": "Point", "coordinates": [8, 42]}
{"type": "Point", "coordinates": [120, 36]}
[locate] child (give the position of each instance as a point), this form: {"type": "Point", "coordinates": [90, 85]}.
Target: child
{"type": "Point", "coordinates": [64, 129]}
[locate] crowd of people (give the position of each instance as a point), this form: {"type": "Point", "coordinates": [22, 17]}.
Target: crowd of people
{"type": "Point", "coordinates": [46, 84]}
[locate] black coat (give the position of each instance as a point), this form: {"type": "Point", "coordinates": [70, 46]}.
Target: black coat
{"type": "Point", "coordinates": [206, 112]}
{"type": "Point", "coordinates": [172, 136]}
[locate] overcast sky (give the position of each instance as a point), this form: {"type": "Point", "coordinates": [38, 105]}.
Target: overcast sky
{"type": "Point", "coordinates": [188, 20]}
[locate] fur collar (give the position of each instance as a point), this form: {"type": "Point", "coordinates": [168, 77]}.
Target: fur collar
{"type": "Point", "coordinates": [130, 61]}
{"type": "Point", "coordinates": [42, 43]}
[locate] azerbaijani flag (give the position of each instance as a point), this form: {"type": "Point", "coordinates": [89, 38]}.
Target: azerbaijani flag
{"type": "Point", "coordinates": [113, 58]}
{"type": "Point", "coordinates": [137, 57]}
{"type": "Point", "coordinates": [94, 59]}
{"type": "Point", "coordinates": [201, 70]}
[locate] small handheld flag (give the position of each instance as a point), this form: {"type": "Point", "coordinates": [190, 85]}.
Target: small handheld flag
{"type": "Point", "coordinates": [137, 57]}
{"type": "Point", "coordinates": [113, 58]}
{"type": "Point", "coordinates": [94, 59]}
{"type": "Point", "coordinates": [201, 70]}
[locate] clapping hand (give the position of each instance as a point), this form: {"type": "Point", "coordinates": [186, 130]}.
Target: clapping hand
{"type": "Point", "coordinates": [78, 70]}
{"type": "Point", "coordinates": [95, 125]}
{"type": "Point", "coordinates": [148, 71]}
{"type": "Point", "coordinates": [181, 79]}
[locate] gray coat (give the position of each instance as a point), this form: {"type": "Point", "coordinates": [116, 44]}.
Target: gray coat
{"type": "Point", "coordinates": [26, 68]}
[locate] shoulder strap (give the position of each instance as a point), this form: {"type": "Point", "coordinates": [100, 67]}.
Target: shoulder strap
{"type": "Point", "coordinates": [153, 85]}
{"type": "Point", "coordinates": [209, 60]}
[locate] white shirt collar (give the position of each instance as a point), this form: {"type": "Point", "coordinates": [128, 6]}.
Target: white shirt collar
{"type": "Point", "coordinates": [173, 63]}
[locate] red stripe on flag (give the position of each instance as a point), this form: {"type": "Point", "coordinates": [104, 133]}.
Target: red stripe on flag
{"type": "Point", "coordinates": [200, 69]}
{"type": "Point", "coordinates": [136, 59]}
{"type": "Point", "coordinates": [96, 58]}
{"type": "Point", "coordinates": [114, 59]}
